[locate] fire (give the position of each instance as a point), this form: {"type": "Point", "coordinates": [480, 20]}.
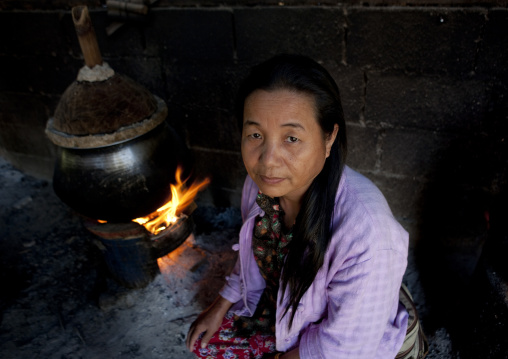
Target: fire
{"type": "Point", "coordinates": [181, 197]}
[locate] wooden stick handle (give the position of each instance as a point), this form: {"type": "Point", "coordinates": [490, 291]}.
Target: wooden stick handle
{"type": "Point", "coordinates": [86, 36]}
{"type": "Point", "coordinates": [123, 7]}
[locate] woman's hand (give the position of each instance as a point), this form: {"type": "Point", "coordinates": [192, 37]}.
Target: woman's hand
{"type": "Point", "coordinates": [208, 322]}
{"type": "Point", "coordinates": [293, 354]}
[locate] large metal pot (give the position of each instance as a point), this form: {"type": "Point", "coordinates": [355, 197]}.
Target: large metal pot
{"type": "Point", "coordinates": [122, 181]}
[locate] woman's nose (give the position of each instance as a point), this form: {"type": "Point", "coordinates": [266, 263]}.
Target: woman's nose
{"type": "Point", "coordinates": [270, 155]}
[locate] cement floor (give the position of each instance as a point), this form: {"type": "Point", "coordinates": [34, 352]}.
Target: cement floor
{"type": "Point", "coordinates": [57, 300]}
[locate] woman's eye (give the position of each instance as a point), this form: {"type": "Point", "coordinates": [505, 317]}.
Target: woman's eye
{"type": "Point", "coordinates": [292, 139]}
{"type": "Point", "coordinates": [256, 135]}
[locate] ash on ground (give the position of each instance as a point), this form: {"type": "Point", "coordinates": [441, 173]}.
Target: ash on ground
{"type": "Point", "coordinates": [57, 300]}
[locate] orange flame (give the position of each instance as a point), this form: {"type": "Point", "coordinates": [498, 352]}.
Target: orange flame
{"type": "Point", "coordinates": [181, 198]}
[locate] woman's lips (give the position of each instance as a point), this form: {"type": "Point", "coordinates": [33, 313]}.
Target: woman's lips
{"type": "Point", "coordinates": [271, 180]}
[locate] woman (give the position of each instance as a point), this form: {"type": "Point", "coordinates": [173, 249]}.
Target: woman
{"type": "Point", "coordinates": [321, 257]}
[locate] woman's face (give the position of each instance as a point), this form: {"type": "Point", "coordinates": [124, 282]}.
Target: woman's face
{"type": "Point", "coordinates": [283, 145]}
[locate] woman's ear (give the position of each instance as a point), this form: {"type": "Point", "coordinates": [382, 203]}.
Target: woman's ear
{"type": "Point", "coordinates": [331, 139]}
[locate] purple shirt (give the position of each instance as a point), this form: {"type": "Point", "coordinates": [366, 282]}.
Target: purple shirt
{"type": "Point", "coordinates": [352, 308]}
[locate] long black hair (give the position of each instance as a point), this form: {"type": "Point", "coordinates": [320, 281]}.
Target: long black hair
{"type": "Point", "coordinates": [312, 229]}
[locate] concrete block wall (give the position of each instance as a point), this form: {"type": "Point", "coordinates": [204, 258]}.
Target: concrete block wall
{"type": "Point", "coordinates": [424, 88]}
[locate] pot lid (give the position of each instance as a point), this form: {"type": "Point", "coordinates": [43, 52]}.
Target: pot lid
{"type": "Point", "coordinates": [102, 139]}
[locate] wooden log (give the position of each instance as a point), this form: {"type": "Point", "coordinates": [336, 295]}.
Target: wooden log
{"type": "Point", "coordinates": [86, 36]}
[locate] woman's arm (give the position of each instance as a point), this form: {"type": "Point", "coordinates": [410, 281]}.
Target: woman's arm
{"type": "Point", "coordinates": [361, 312]}
{"type": "Point", "coordinates": [208, 322]}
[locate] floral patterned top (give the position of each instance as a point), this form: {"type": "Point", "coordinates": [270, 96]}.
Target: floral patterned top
{"type": "Point", "coordinates": [269, 244]}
